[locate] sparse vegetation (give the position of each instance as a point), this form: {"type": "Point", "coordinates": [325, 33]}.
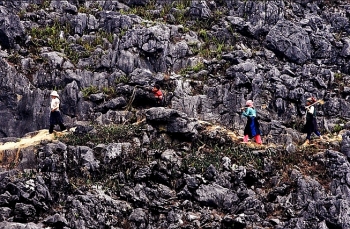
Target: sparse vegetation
{"type": "Point", "coordinates": [14, 58]}
{"type": "Point", "coordinates": [89, 90]}
{"type": "Point", "coordinates": [50, 35]}
{"type": "Point", "coordinates": [212, 47]}
{"type": "Point", "coordinates": [204, 155]}
{"type": "Point", "coordinates": [142, 11]}
{"type": "Point", "coordinates": [179, 10]}
{"type": "Point", "coordinates": [337, 128]}
{"type": "Point", "coordinates": [152, 173]}
{"type": "Point", "coordinates": [104, 135]}
{"type": "Point", "coordinates": [196, 68]}
{"type": "Point", "coordinates": [109, 91]}
{"type": "Point", "coordinates": [338, 76]}
{"type": "Point", "coordinates": [92, 8]}
{"type": "Point", "coordinates": [209, 152]}
{"type": "Point", "coordinates": [122, 79]}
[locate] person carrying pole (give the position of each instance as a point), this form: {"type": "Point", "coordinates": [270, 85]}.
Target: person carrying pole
{"type": "Point", "coordinates": [252, 128]}
{"type": "Point", "coordinates": [311, 122]}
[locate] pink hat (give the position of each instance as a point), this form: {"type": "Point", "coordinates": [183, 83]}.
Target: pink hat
{"type": "Point", "coordinates": [249, 103]}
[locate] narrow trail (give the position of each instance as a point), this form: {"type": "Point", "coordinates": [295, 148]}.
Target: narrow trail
{"type": "Point", "coordinates": [15, 153]}
{"type": "Point", "coordinates": [37, 137]}
{"type": "Point", "coordinates": [30, 139]}
{"type": "Point", "coordinates": [319, 143]}
{"type": "Point", "coordinates": [233, 135]}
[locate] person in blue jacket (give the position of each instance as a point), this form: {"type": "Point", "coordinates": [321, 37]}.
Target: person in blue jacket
{"type": "Point", "coordinates": [252, 127]}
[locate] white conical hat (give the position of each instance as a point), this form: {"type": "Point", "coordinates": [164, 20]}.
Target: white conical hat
{"type": "Point", "coordinates": [54, 93]}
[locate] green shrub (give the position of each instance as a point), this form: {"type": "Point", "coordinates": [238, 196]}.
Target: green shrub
{"type": "Point", "coordinates": [89, 90]}
{"type": "Point", "coordinates": [109, 91]}
{"type": "Point", "coordinates": [122, 79]}
{"type": "Point", "coordinates": [196, 68]}
{"type": "Point", "coordinates": [14, 58]}
{"type": "Point", "coordinates": [337, 128]}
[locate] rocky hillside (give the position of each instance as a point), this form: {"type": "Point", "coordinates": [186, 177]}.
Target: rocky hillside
{"type": "Point", "coordinates": [127, 164]}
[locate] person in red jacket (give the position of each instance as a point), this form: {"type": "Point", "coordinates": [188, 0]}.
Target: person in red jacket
{"type": "Point", "coordinates": [158, 95]}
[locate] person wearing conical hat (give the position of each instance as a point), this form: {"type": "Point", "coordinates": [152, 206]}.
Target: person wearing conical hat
{"type": "Point", "coordinates": [252, 128]}
{"type": "Point", "coordinates": [55, 114]}
{"type": "Point", "coordinates": [311, 122]}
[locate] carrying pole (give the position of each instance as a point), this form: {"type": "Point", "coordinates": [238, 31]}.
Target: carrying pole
{"type": "Point", "coordinates": [320, 101]}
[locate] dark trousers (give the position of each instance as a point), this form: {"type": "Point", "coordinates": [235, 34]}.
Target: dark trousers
{"type": "Point", "coordinates": [311, 127]}
{"type": "Point", "coordinates": [157, 102]}
{"type": "Point", "coordinates": [56, 119]}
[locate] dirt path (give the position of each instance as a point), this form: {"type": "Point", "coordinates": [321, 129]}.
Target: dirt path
{"type": "Point", "coordinates": [37, 137]}
{"type": "Point", "coordinates": [34, 138]}
{"type": "Point", "coordinates": [318, 143]}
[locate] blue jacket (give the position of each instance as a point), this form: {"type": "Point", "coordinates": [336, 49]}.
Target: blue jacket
{"type": "Point", "coordinates": [249, 112]}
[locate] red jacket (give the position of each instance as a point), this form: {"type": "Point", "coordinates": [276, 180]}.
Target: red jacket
{"type": "Point", "coordinates": [158, 94]}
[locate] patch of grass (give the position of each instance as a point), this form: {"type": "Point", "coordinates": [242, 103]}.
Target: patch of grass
{"type": "Point", "coordinates": [203, 33]}
{"type": "Point", "coordinates": [212, 47]}
{"type": "Point", "coordinates": [91, 9]}
{"type": "Point", "coordinates": [209, 151]}
{"type": "Point", "coordinates": [21, 13]}
{"type": "Point", "coordinates": [126, 164]}
{"type": "Point", "coordinates": [104, 135]}
{"type": "Point", "coordinates": [32, 7]}
{"type": "Point", "coordinates": [122, 79]}
{"type": "Point", "coordinates": [142, 11]}
{"type": "Point", "coordinates": [92, 41]}
{"type": "Point", "coordinates": [338, 76]}
{"type": "Point", "coordinates": [109, 91]}
{"type": "Point", "coordinates": [14, 58]}
{"type": "Point", "coordinates": [107, 35]}
{"type": "Point", "coordinates": [89, 90]}
{"type": "Point", "coordinates": [338, 127]}
{"type": "Point", "coordinates": [50, 36]}
{"type": "Point", "coordinates": [84, 10]}
{"type": "Point", "coordinates": [196, 68]}
{"type": "Point", "coordinates": [74, 56]}
{"type": "Point", "coordinates": [45, 4]}
{"type": "Point", "coordinates": [176, 8]}
{"type": "Point", "coordinates": [182, 4]}
{"type": "Point", "coordinates": [122, 33]}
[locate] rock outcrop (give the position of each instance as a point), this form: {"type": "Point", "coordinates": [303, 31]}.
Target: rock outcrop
{"type": "Point", "coordinates": [168, 167]}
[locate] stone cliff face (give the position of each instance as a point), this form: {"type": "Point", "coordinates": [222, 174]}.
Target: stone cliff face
{"type": "Point", "coordinates": [209, 57]}
{"type": "Point", "coordinates": [212, 56]}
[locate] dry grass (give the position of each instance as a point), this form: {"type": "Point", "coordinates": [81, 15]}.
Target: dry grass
{"type": "Point", "coordinates": [305, 158]}
{"type": "Point", "coordinates": [31, 139]}
{"type": "Point", "coordinates": [10, 152]}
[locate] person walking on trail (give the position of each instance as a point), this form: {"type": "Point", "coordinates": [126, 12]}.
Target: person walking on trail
{"type": "Point", "coordinates": [252, 127]}
{"type": "Point", "coordinates": [311, 122]}
{"type": "Point", "coordinates": [55, 114]}
{"type": "Point", "coordinates": [158, 95]}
